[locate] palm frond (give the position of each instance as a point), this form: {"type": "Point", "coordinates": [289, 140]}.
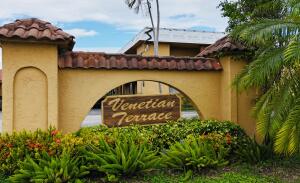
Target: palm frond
{"type": "Point", "coordinates": [288, 137]}
{"type": "Point", "coordinates": [263, 70]}
{"type": "Point", "coordinates": [276, 71]}
{"type": "Point", "coordinates": [135, 4]}
{"type": "Point", "coordinates": [264, 32]}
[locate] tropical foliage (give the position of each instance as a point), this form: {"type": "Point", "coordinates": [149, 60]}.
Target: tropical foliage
{"type": "Point", "coordinates": [195, 154]}
{"type": "Point", "coordinates": [47, 169]}
{"type": "Point", "coordinates": [124, 157]}
{"type": "Point", "coordinates": [275, 70]}
{"type": "Point", "coordinates": [114, 153]}
{"type": "Point", "coordinates": [253, 152]}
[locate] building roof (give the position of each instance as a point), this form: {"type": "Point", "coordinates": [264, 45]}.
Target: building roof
{"type": "Point", "coordinates": [92, 60]}
{"type": "Point", "coordinates": [35, 30]}
{"type": "Point", "coordinates": [175, 36]}
{"type": "Point", "coordinates": [225, 44]}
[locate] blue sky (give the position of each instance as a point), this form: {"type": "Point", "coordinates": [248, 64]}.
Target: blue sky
{"type": "Point", "coordinates": [104, 36]}
{"type": "Point", "coordinates": [107, 25]}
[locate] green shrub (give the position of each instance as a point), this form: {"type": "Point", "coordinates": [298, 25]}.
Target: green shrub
{"type": "Point", "coordinates": [163, 136]}
{"type": "Point", "coordinates": [252, 152]}
{"type": "Point", "coordinates": [148, 139]}
{"type": "Point", "coordinates": [123, 157]}
{"type": "Point", "coordinates": [47, 169]}
{"type": "Point", "coordinates": [195, 154]}
{"type": "Point", "coordinates": [3, 178]}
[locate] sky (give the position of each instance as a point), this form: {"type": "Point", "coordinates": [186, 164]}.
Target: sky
{"type": "Point", "coordinates": [107, 25]}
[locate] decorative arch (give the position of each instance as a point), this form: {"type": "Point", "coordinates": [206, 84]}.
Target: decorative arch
{"type": "Point", "coordinates": [30, 99]}
{"type": "Point", "coordinates": [170, 85]}
{"type": "Point", "coordinates": [79, 89]}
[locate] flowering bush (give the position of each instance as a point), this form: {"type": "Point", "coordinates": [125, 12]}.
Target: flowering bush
{"type": "Point", "coordinates": [17, 147]}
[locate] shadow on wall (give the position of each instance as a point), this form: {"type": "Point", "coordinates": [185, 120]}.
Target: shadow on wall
{"type": "Point", "coordinates": [141, 88]}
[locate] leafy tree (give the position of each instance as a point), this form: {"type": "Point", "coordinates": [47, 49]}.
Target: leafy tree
{"type": "Point", "coordinates": [243, 11]}
{"type": "Point", "coordinates": [275, 70]}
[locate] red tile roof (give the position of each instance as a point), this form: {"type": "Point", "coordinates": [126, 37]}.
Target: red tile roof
{"type": "Point", "coordinates": [35, 30]}
{"type": "Point", "coordinates": [225, 44]}
{"type": "Point", "coordinates": [134, 62]}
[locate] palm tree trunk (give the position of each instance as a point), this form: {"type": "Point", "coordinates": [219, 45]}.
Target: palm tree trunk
{"type": "Point", "coordinates": [153, 27]}
{"type": "Point", "coordinates": [156, 41]}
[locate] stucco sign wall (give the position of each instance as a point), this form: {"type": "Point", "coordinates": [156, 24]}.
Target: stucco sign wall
{"type": "Point", "coordinates": [126, 110]}
{"type": "Point", "coordinates": [64, 84]}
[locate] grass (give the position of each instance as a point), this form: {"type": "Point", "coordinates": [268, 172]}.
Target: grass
{"type": "Point", "coordinates": [276, 171]}
{"type": "Point", "coordinates": [229, 177]}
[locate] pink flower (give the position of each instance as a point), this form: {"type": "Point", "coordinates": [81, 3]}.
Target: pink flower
{"type": "Point", "coordinates": [54, 132]}
{"type": "Point", "coordinates": [228, 138]}
{"type": "Point", "coordinates": [58, 141]}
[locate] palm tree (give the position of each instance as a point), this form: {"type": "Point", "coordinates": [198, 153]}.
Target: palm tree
{"type": "Point", "coordinates": [276, 71]}
{"type": "Point", "coordinates": [137, 5]}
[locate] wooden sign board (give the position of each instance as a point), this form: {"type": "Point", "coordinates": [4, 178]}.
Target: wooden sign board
{"type": "Point", "coordinates": [137, 109]}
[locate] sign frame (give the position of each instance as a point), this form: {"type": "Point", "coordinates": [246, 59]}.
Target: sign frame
{"type": "Point", "coordinates": [138, 95]}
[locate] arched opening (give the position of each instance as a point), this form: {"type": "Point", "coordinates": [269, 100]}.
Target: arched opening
{"type": "Point", "coordinates": [143, 87]}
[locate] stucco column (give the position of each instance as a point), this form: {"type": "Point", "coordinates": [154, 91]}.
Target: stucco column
{"type": "Point", "coordinates": [30, 73]}
{"type": "Point", "coordinates": [234, 106]}
{"type": "Point", "coordinates": [30, 86]}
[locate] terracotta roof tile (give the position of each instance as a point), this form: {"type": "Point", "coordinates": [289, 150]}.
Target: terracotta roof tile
{"type": "Point", "coordinates": [134, 62]}
{"type": "Point", "coordinates": [35, 30]}
{"type": "Point", "coordinates": [225, 44]}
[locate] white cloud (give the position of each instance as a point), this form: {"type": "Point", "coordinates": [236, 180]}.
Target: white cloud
{"type": "Point", "coordinates": [201, 12]}
{"type": "Point", "coordinates": [81, 32]}
{"type": "Point", "coordinates": [98, 49]}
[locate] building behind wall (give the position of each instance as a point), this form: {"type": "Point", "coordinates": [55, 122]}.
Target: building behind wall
{"type": "Point", "coordinates": [172, 42]}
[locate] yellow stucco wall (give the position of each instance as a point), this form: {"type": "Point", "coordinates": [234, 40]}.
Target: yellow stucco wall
{"type": "Point", "coordinates": [37, 94]}
{"type": "Point", "coordinates": [236, 106]}
{"type": "Point", "coordinates": [79, 89]}
{"type": "Point", "coordinates": [30, 86]}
